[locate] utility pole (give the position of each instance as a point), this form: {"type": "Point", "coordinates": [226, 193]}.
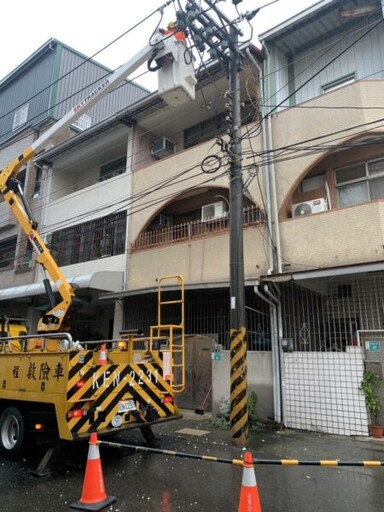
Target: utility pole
{"type": "Point", "coordinates": [238, 347]}
{"type": "Point", "coordinates": [224, 45]}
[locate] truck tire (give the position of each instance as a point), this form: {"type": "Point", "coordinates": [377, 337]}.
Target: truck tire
{"type": "Point", "coordinates": [12, 432]}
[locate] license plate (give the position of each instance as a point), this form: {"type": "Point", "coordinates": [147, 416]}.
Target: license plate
{"type": "Point", "coordinates": [126, 405]}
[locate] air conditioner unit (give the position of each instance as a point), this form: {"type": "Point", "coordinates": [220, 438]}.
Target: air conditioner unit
{"type": "Point", "coordinates": [162, 147]}
{"type": "Point", "coordinates": [309, 207]}
{"type": "Point", "coordinates": [213, 211]}
{"type": "Point", "coordinates": [161, 221]}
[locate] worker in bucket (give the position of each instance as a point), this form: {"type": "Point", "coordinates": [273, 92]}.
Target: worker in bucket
{"type": "Point", "coordinates": [172, 29]}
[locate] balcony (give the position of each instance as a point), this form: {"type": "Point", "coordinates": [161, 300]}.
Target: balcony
{"type": "Point", "coordinates": [194, 230]}
{"type": "Point", "coordinates": [341, 236]}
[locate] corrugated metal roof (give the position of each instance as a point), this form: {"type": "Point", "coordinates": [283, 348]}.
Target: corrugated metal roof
{"type": "Point", "coordinates": [319, 21]}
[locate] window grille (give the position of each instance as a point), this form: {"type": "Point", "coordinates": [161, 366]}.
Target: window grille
{"type": "Point", "coordinates": [7, 252]}
{"type": "Point", "coordinates": [91, 240]}
{"type": "Point", "coordinates": [215, 126]}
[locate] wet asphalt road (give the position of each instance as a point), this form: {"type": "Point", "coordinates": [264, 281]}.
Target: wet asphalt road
{"type": "Point", "coordinates": [162, 483]}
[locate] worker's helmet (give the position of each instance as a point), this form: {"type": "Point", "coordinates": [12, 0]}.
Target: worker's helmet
{"type": "Point", "coordinates": [171, 25]}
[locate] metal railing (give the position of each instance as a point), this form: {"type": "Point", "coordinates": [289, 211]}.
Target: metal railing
{"type": "Point", "coordinates": [33, 342]}
{"type": "Point", "coordinates": [195, 229]}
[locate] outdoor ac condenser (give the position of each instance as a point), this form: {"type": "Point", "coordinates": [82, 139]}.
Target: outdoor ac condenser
{"type": "Point", "coordinates": [309, 207]}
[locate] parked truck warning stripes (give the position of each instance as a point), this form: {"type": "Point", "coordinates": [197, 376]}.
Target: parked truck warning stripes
{"type": "Point", "coordinates": [50, 387]}
{"type": "Point", "coordinates": [103, 387]}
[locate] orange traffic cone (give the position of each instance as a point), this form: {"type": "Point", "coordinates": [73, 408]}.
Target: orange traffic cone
{"type": "Point", "coordinates": [103, 354]}
{"type": "Point", "coordinates": [93, 496]}
{"type": "Point", "coordinates": [249, 494]}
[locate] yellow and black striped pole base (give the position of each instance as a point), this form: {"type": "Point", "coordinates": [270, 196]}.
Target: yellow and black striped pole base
{"type": "Point", "coordinates": [239, 388]}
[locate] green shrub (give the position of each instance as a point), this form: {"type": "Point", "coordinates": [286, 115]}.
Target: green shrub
{"type": "Point", "coordinates": [370, 386]}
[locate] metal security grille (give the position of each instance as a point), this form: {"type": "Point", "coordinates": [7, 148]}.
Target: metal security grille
{"type": "Point", "coordinates": [7, 252]}
{"type": "Point", "coordinates": [91, 240]}
{"type": "Point", "coordinates": [328, 320]}
{"type": "Point", "coordinates": [327, 324]}
{"type": "Point", "coordinates": [206, 312]}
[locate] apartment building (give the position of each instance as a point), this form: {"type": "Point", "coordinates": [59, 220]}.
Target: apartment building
{"type": "Point", "coordinates": [148, 196]}
{"type": "Point", "coordinates": [324, 155]}
{"type": "Point", "coordinates": [35, 95]}
{"type": "Point", "coordinates": [145, 193]}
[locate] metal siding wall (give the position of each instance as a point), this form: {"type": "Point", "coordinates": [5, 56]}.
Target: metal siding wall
{"type": "Point", "coordinates": [33, 86]}
{"type": "Point", "coordinates": [79, 78]}
{"type": "Point", "coordinates": [82, 77]}
{"type": "Point", "coordinates": [28, 87]}
{"type": "Point", "coordinates": [364, 58]}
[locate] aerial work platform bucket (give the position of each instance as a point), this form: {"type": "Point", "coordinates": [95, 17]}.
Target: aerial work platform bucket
{"type": "Point", "coordinates": [176, 76]}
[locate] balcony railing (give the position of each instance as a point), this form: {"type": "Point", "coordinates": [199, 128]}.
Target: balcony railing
{"type": "Point", "coordinates": [196, 229]}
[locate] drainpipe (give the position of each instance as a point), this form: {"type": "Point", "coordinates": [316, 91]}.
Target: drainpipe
{"type": "Point", "coordinates": [119, 310]}
{"type": "Point", "coordinates": [267, 185]}
{"type": "Point", "coordinates": [274, 251]}
{"type": "Point", "coordinates": [274, 208]}
{"type": "Point", "coordinates": [268, 146]}
{"type": "Point", "coordinates": [129, 167]}
{"type": "Point", "coordinates": [275, 352]}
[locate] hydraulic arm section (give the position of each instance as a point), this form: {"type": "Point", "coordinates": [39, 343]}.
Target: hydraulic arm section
{"type": "Point", "coordinates": [176, 86]}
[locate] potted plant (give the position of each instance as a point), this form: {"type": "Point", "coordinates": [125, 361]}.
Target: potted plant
{"type": "Point", "coordinates": [370, 386]}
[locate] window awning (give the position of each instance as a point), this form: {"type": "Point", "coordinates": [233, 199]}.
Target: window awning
{"type": "Point", "coordinates": [109, 281]}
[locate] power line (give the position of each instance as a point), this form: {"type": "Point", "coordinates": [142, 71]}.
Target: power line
{"type": "Point", "coordinates": [88, 59]}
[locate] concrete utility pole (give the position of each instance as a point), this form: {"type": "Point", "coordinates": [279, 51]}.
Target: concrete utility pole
{"type": "Point", "coordinates": [224, 45]}
{"type": "Point", "coordinates": [238, 347]}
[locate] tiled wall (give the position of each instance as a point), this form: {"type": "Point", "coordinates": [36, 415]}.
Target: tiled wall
{"type": "Point", "coordinates": [321, 392]}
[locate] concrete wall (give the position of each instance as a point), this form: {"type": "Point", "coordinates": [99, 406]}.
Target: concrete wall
{"type": "Point", "coordinates": [198, 261]}
{"type": "Point", "coordinates": [259, 380]}
{"type": "Point", "coordinates": [185, 164]}
{"type": "Point", "coordinates": [337, 237]}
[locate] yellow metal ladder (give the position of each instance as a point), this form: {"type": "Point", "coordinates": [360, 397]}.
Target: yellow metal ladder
{"type": "Point", "coordinates": [171, 336]}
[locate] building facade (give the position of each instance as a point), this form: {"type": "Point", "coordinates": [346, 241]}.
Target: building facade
{"type": "Point", "coordinates": [35, 95]}
{"type": "Point", "coordinates": [324, 156]}
{"type": "Point", "coordinates": [148, 192]}
{"type": "Point", "coordinates": [145, 193]}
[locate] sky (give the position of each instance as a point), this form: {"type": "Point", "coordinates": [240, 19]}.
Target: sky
{"type": "Point", "coordinates": [88, 26]}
